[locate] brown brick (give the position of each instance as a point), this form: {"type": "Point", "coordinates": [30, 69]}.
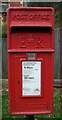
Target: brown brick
{"type": "Point", "coordinates": [14, 4]}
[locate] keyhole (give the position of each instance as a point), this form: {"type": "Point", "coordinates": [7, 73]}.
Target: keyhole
{"type": "Point", "coordinates": [18, 82]}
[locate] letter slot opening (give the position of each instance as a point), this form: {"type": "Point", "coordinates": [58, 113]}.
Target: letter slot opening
{"type": "Point", "coordinates": [31, 38]}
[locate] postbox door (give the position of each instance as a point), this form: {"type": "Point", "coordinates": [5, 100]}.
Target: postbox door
{"type": "Point", "coordinates": [28, 101]}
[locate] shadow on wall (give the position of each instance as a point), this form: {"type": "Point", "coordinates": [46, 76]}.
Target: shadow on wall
{"type": "Point", "coordinates": [61, 52]}
{"type": "Point", "coordinates": [57, 53]}
{"type": "Point", "coordinates": [4, 58]}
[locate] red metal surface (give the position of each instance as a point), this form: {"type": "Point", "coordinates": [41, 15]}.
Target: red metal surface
{"type": "Point", "coordinates": [30, 30]}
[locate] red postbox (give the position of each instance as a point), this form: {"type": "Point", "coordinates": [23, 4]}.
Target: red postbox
{"type": "Point", "coordinates": [30, 60]}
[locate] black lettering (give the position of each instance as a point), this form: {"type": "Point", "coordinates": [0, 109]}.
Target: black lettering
{"type": "Point", "coordinates": [31, 77]}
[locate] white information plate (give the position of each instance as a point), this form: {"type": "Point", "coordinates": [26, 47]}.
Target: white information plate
{"type": "Point", "coordinates": [31, 78]}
